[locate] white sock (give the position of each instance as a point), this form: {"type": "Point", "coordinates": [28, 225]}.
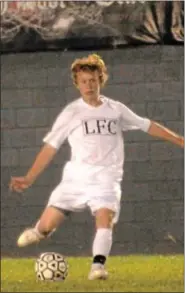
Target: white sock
{"type": "Point", "coordinates": [102, 242]}
{"type": "Point", "coordinates": [40, 235]}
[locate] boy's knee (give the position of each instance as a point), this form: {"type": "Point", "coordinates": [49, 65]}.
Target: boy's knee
{"type": "Point", "coordinates": [104, 218]}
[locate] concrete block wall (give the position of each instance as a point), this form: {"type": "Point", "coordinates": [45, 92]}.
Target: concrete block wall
{"type": "Point", "coordinates": [35, 87]}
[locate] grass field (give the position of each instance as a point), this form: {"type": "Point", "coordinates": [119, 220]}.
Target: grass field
{"type": "Point", "coordinates": [126, 274]}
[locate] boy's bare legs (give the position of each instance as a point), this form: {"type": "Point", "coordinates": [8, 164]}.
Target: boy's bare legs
{"type": "Point", "coordinates": [102, 243]}
{"type": "Point", "coordinates": [50, 219]}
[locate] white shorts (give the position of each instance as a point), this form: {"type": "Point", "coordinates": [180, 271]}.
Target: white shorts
{"type": "Point", "coordinates": [74, 198]}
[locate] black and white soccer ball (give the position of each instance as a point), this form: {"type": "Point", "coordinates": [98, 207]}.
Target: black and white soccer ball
{"type": "Point", "coordinates": [51, 266]}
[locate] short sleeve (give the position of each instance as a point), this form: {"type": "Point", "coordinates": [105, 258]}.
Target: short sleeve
{"type": "Point", "coordinates": [131, 121]}
{"type": "Point", "coordinates": [59, 131]}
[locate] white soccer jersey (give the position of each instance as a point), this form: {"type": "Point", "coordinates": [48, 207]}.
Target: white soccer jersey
{"type": "Point", "coordinates": [95, 135]}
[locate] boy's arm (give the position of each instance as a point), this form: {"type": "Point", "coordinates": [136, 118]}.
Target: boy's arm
{"type": "Point", "coordinates": [42, 160]}
{"type": "Point", "coordinates": [130, 120]}
{"type": "Point", "coordinates": [53, 140]}
{"type": "Point", "coordinates": [160, 131]}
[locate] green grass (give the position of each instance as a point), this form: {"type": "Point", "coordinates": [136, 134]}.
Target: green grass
{"type": "Point", "coordinates": [126, 274]}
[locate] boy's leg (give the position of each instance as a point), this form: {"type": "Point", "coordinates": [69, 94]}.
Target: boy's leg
{"type": "Point", "coordinates": [102, 243]}
{"type": "Point", "coordinates": [103, 239]}
{"type": "Point", "coordinates": [105, 206]}
{"type": "Point", "coordinates": [57, 208]}
{"type": "Point", "coordinates": [50, 219]}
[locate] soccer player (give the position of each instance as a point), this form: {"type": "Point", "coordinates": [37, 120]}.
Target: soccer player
{"type": "Point", "coordinates": [93, 125]}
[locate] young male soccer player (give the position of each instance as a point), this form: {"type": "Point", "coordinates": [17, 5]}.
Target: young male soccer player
{"type": "Point", "coordinates": [93, 125]}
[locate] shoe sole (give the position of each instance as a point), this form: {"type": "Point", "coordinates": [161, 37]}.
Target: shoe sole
{"type": "Point", "coordinates": [98, 276]}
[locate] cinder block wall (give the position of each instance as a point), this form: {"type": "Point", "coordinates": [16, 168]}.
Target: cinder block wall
{"type": "Point", "coordinates": [35, 87]}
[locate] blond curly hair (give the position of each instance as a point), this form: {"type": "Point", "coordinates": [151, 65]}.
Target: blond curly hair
{"type": "Point", "coordinates": [91, 63]}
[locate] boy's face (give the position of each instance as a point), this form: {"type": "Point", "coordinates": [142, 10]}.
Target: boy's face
{"type": "Point", "coordinates": [88, 83]}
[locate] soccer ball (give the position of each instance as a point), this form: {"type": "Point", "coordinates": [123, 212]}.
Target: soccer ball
{"type": "Point", "coordinates": [51, 266]}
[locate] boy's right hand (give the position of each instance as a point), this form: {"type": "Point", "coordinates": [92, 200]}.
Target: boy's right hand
{"type": "Point", "coordinates": [19, 184]}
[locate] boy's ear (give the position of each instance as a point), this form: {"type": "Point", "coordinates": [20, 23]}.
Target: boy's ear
{"type": "Point", "coordinates": [75, 84]}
